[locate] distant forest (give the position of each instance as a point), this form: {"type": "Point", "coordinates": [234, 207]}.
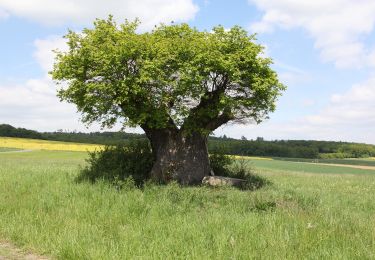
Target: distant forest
{"type": "Point", "coordinates": [258, 147]}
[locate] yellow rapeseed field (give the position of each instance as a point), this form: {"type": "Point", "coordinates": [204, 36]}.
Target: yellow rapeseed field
{"type": "Point", "coordinates": [35, 144]}
{"type": "Point", "coordinates": [251, 157]}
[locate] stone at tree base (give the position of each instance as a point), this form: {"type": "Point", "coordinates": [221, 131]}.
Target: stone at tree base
{"type": "Point", "coordinates": [222, 181]}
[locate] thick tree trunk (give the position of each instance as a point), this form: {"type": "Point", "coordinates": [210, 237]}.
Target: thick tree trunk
{"type": "Point", "coordinates": [178, 157]}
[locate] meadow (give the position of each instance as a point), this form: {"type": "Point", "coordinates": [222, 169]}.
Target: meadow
{"type": "Point", "coordinates": [6, 149]}
{"type": "Point", "coordinates": [308, 212]}
{"type": "Point", "coordinates": [351, 161]}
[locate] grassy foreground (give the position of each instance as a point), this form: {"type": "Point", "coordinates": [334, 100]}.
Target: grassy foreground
{"type": "Point", "coordinates": [302, 215]}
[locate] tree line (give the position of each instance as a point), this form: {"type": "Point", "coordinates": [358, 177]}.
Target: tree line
{"type": "Point", "coordinates": [292, 148]}
{"type": "Point", "coordinates": [258, 147]}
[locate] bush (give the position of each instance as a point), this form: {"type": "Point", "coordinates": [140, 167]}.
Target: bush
{"type": "Point", "coordinates": [334, 155]}
{"type": "Point", "coordinates": [227, 166]}
{"type": "Point", "coordinates": [220, 162]}
{"type": "Point", "coordinates": [120, 164]}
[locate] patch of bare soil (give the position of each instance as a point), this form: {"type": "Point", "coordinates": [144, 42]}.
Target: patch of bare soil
{"type": "Point", "coordinates": [10, 252]}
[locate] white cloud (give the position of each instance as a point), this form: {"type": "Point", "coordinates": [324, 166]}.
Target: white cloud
{"type": "Point", "coordinates": [3, 14]}
{"type": "Point", "coordinates": [44, 54]}
{"type": "Point", "coordinates": [291, 75]}
{"type": "Point", "coordinates": [151, 12]}
{"type": "Point", "coordinates": [337, 26]}
{"type": "Point", "coordinates": [354, 108]}
{"type": "Point", "coordinates": [34, 104]}
{"type": "Point", "coordinates": [347, 117]}
{"type": "Point", "coordinates": [308, 102]}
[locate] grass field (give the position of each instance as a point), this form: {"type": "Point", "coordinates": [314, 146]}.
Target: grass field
{"type": "Point", "coordinates": [301, 167]}
{"type": "Point", "coordinates": [357, 161]}
{"type": "Point", "coordinates": [329, 215]}
{"type": "Point", "coordinates": [6, 149]}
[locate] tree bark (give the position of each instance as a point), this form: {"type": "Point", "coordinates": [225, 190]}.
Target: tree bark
{"type": "Point", "coordinates": [179, 157]}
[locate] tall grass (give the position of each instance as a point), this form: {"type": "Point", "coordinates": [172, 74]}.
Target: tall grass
{"type": "Point", "coordinates": [300, 216]}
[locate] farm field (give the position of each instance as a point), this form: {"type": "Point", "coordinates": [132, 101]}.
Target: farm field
{"type": "Point", "coordinates": [307, 167]}
{"type": "Point", "coordinates": [36, 144]}
{"type": "Point", "coordinates": [352, 161]}
{"type": "Point", "coordinates": [310, 211]}
{"type": "Point", "coordinates": [6, 149]}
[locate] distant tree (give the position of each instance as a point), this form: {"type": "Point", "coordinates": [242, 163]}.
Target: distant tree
{"type": "Point", "coordinates": [177, 83]}
{"type": "Point", "coordinates": [243, 138]}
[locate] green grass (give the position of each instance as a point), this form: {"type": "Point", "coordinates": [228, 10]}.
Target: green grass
{"type": "Point", "coordinates": [313, 216]}
{"type": "Point", "coordinates": [6, 149]}
{"type": "Point", "coordinates": [301, 167]}
{"type": "Point", "coordinates": [359, 161]}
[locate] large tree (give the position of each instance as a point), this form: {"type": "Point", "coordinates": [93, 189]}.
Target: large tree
{"type": "Point", "coordinates": [177, 83]}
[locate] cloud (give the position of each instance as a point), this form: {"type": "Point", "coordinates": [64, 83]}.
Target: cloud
{"type": "Point", "coordinates": [291, 75]}
{"type": "Point", "coordinates": [150, 12]}
{"type": "Point", "coordinates": [3, 14]}
{"type": "Point", "coordinates": [348, 117]}
{"type": "Point", "coordinates": [337, 26]}
{"type": "Point", "coordinates": [44, 54]}
{"type": "Point", "coordinates": [355, 108]}
{"type": "Point", "coordinates": [308, 102]}
{"type": "Point", "coordinates": [34, 104]}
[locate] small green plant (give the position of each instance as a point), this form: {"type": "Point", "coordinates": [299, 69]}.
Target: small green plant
{"type": "Point", "coordinates": [121, 165]}
{"type": "Point", "coordinates": [220, 162]}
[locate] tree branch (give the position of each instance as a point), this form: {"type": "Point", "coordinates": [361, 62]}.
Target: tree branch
{"type": "Point", "coordinates": [222, 119]}
{"type": "Point", "coordinates": [209, 103]}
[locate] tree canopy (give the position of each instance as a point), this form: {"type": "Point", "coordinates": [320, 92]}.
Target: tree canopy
{"type": "Point", "coordinates": [174, 77]}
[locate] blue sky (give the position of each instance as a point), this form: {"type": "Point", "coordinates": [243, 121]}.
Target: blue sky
{"type": "Point", "coordinates": [324, 51]}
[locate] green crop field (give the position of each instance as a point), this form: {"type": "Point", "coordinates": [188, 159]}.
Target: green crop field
{"type": "Point", "coordinates": [359, 161]}
{"type": "Point", "coordinates": [304, 167]}
{"type": "Point", "coordinates": [310, 211]}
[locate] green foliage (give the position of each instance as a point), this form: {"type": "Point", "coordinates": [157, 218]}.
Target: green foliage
{"type": "Point", "coordinates": [220, 161]}
{"type": "Point", "coordinates": [338, 155]}
{"type": "Point", "coordinates": [121, 165]}
{"type": "Point", "coordinates": [228, 166]}
{"type": "Point", "coordinates": [172, 76]}
{"type": "Point", "coordinates": [357, 150]}
{"type": "Point", "coordinates": [292, 148]}
{"type": "Point", "coordinates": [105, 138]}
{"type": "Point", "coordinates": [10, 131]}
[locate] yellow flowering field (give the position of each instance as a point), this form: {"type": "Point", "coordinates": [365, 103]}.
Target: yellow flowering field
{"type": "Point", "coordinates": [252, 157]}
{"type": "Point", "coordinates": [36, 144]}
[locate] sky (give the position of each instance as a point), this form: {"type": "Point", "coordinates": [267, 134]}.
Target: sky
{"type": "Point", "coordinates": [323, 51]}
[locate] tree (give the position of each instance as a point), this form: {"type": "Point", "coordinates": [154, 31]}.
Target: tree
{"type": "Point", "coordinates": [177, 83]}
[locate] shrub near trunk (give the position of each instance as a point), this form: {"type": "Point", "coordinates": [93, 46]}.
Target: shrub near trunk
{"type": "Point", "coordinates": [119, 163]}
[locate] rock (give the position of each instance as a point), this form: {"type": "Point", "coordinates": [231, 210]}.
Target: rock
{"type": "Point", "coordinates": [222, 181]}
